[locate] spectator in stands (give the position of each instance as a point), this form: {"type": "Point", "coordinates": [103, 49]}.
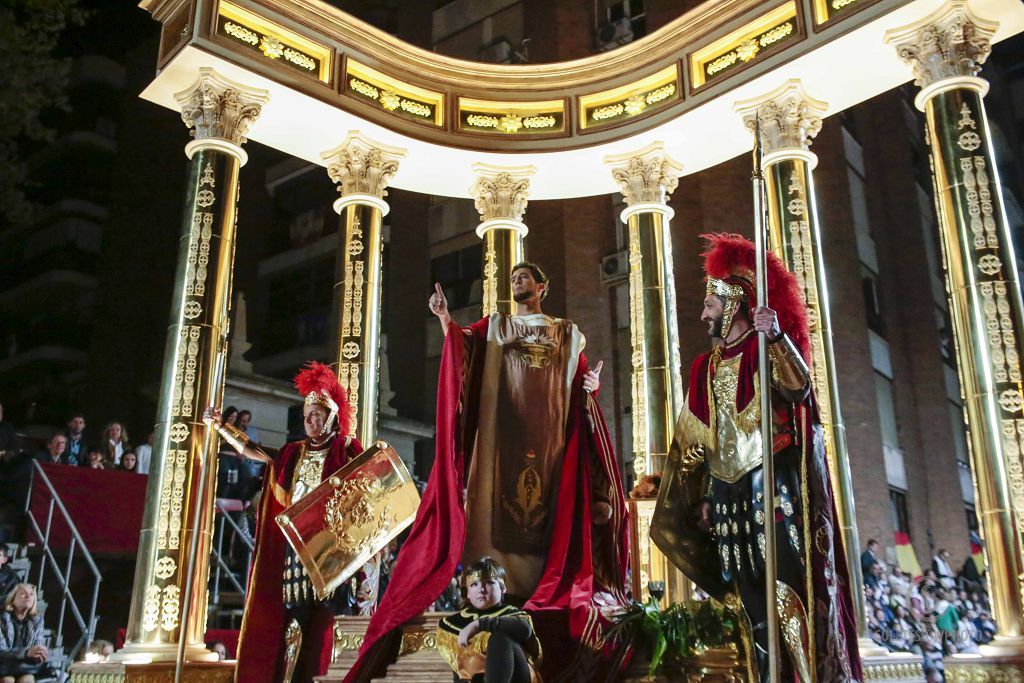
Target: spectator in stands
{"type": "Point", "coordinates": [129, 462]}
{"type": "Point", "coordinates": [969, 576]}
{"type": "Point", "coordinates": [219, 648]}
{"type": "Point", "coordinates": [23, 651]}
{"type": "Point", "coordinates": [873, 576]}
{"type": "Point", "coordinates": [900, 584]}
{"type": "Point", "coordinates": [931, 651]}
{"type": "Point", "coordinates": [869, 557]}
{"type": "Point", "coordinates": [95, 457]}
{"type": "Point", "coordinates": [253, 468]}
{"type": "Point", "coordinates": [946, 619]}
{"type": "Point", "coordinates": [986, 628]}
{"type": "Point", "coordinates": [74, 451]}
{"type": "Point", "coordinates": [244, 417]}
{"type": "Point", "coordinates": [145, 454]}
{"type": "Point", "coordinates": [55, 448]}
{"type": "Point", "coordinates": [940, 565]}
{"type": "Point", "coordinates": [115, 443]}
{"type": "Point", "coordinates": [8, 577]}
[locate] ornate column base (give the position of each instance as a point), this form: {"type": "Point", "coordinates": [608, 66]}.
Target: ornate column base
{"type": "Point", "coordinates": [647, 562]}
{"type": "Point", "coordinates": [716, 665]}
{"type": "Point", "coordinates": [984, 668]}
{"type": "Point", "coordinates": [157, 672]}
{"type": "Point", "coordinates": [893, 667]}
{"type": "Point", "coordinates": [418, 660]}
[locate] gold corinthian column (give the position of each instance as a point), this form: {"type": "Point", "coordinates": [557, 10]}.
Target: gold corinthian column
{"type": "Point", "coordinates": [789, 118]}
{"type": "Point", "coordinates": [362, 168]}
{"type": "Point", "coordinates": [501, 194]}
{"type": "Point", "coordinates": [174, 546]}
{"type": "Point", "coordinates": [946, 50]}
{"type": "Point", "coordinates": [646, 178]}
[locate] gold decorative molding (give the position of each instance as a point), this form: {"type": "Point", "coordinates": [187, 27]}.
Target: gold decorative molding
{"type": "Point", "coordinates": [647, 94]}
{"type": "Point", "coordinates": [646, 176]}
{"type": "Point", "coordinates": [511, 118]}
{"type": "Point", "coordinates": [983, 672]}
{"type": "Point", "coordinates": [272, 41]}
{"type": "Point", "coordinates": [827, 10]}
{"type": "Point", "coordinates": [216, 107]}
{"type": "Point", "coordinates": [501, 192]}
{"type": "Point", "coordinates": [744, 44]}
{"type": "Point", "coordinates": [789, 117]}
{"type": "Point", "coordinates": [890, 672]}
{"type": "Point", "coordinates": [950, 43]}
{"type": "Point", "coordinates": [393, 95]}
{"type": "Point", "coordinates": [361, 166]}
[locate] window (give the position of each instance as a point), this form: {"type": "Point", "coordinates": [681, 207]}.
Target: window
{"type": "Point", "coordinates": [611, 11]}
{"type": "Point", "coordinates": [460, 275]}
{"type": "Point", "coordinates": [872, 301]}
{"type": "Point", "coordinates": [900, 518]}
{"type": "Point", "coordinates": [299, 307]}
{"type": "Point", "coordinates": [972, 519]}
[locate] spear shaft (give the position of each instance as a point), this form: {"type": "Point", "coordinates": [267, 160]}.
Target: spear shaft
{"type": "Point", "coordinates": [764, 377]}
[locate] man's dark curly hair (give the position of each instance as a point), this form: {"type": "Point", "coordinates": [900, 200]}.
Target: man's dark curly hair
{"type": "Point", "coordinates": [538, 275]}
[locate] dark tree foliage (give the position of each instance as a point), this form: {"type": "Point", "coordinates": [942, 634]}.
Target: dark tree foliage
{"type": "Point", "coordinates": [33, 81]}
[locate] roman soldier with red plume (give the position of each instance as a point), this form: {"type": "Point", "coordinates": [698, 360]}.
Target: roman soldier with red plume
{"type": "Point", "coordinates": [286, 632]}
{"type": "Point", "coordinates": [710, 515]}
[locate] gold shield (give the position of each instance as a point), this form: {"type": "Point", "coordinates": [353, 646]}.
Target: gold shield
{"type": "Point", "coordinates": [338, 526]}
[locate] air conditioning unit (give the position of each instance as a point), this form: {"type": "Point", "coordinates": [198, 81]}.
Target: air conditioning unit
{"type": "Point", "coordinates": [499, 53]}
{"type": "Point", "coordinates": [615, 268]}
{"type": "Point", "coordinates": [614, 34]}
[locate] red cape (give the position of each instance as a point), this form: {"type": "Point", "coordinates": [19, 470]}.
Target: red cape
{"type": "Point", "coordinates": [433, 550]}
{"type": "Point", "coordinates": [261, 641]}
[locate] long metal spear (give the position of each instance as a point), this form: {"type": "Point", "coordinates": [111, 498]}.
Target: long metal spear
{"type": "Point", "coordinates": [763, 376]}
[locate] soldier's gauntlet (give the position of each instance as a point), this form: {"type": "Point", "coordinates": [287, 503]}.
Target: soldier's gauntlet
{"type": "Point", "coordinates": [789, 371]}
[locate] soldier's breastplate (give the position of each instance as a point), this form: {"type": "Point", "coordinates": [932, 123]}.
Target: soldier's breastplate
{"type": "Point", "coordinates": [309, 471]}
{"type": "Point", "coordinates": [739, 438]}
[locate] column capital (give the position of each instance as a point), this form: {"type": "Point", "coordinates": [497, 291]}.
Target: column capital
{"type": "Point", "coordinates": [220, 112]}
{"type": "Point", "coordinates": [945, 49]}
{"type": "Point", "coordinates": [362, 168]}
{"type": "Point", "coordinates": [646, 176]}
{"type": "Point", "coordinates": [501, 193]}
{"type": "Point", "coordinates": [789, 119]}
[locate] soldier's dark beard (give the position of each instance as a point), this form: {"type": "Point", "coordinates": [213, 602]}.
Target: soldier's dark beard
{"type": "Point", "coordinates": [715, 332]}
{"type": "Point", "coordinates": [520, 297]}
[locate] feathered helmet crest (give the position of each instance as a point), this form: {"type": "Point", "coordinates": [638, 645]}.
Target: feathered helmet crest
{"type": "Point", "coordinates": [319, 386]}
{"type": "Point", "coordinates": [729, 262]}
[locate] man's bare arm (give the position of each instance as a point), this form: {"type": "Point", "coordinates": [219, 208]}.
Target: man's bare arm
{"type": "Point", "coordinates": [439, 306]}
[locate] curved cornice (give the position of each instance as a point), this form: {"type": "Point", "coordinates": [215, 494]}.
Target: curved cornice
{"type": "Point", "coordinates": [329, 73]}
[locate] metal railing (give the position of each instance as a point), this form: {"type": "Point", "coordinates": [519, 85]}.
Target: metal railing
{"type": "Point", "coordinates": [86, 623]}
{"type": "Point", "coordinates": [224, 519]}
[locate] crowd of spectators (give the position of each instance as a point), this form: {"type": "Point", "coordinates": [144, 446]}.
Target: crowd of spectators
{"type": "Point", "coordinates": [934, 615]}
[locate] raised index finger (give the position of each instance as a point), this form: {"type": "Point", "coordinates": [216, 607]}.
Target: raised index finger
{"type": "Point", "coordinates": [437, 288]}
{"type": "Point", "coordinates": [597, 368]}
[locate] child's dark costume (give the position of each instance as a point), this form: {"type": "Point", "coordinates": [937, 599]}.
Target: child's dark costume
{"type": "Point", "coordinates": [505, 650]}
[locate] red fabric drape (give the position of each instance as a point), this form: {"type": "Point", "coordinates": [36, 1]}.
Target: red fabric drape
{"type": "Point", "coordinates": [105, 506]}
{"type": "Point", "coordinates": [433, 549]}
